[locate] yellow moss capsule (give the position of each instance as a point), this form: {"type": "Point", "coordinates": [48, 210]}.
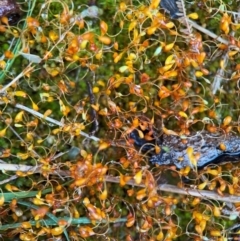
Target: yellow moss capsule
{"type": "Point", "coordinates": [138, 177]}
{"type": "Point", "coordinates": [53, 35]}
{"type": "Point", "coordinates": [95, 90]}
{"type": "Point", "coordinates": [227, 120]}
{"type": "Point", "coordinates": [103, 195]}
{"type": "Point", "coordinates": [199, 74]}
{"type": "Point", "coordinates": [57, 231]}
{"type": "Point", "coordinates": [2, 64]}
{"type": "Point", "coordinates": [193, 16]}
{"type": "Point", "coordinates": [215, 233]}
{"type": "Point", "coordinates": [222, 147]}
{"type": "Point", "coordinates": [168, 47]}
{"type": "Point", "coordinates": [104, 39]}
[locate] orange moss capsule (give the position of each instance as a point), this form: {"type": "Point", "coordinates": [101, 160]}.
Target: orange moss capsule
{"type": "Point", "coordinates": [215, 233]}
{"type": "Point", "coordinates": [57, 231]}
{"type": "Point", "coordinates": [222, 147]}
{"type": "Point", "coordinates": [227, 120]}
{"type": "Point", "coordinates": [104, 39]}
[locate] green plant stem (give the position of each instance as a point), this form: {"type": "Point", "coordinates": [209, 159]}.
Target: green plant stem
{"type": "Point", "coordinates": [51, 216]}
{"type": "Point", "coordinates": [9, 196]}
{"type": "Point", "coordinates": [50, 222]}
{"type": "Point", "coordinates": [18, 44]}
{"type": "Point", "coordinates": [54, 221]}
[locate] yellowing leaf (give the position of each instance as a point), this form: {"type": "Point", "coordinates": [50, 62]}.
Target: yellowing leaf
{"type": "Point", "coordinates": [183, 114]}
{"type": "Point", "coordinates": [132, 25]}
{"type": "Point", "coordinates": [201, 57]}
{"type": "Point", "coordinates": [216, 211]}
{"type": "Point", "coordinates": [232, 53]}
{"type": "Point", "coordinates": [163, 92]}
{"type": "Point", "coordinates": [132, 56]}
{"type": "Point", "coordinates": [124, 180]}
{"type": "Point", "coordinates": [2, 199]}
{"type": "Point", "coordinates": [95, 107]}
{"type": "Point", "coordinates": [22, 156]}
{"type": "Point", "coordinates": [53, 72]}
{"type": "Point", "coordinates": [103, 112]}
{"type": "Point", "coordinates": [170, 59]}
{"type": "Point", "coordinates": [170, 74]}
{"type": "Point", "coordinates": [95, 90]}
{"type": "Point", "coordinates": [30, 148]}
{"type": "Point", "coordinates": [169, 132]}
{"type": "Point", "coordinates": [117, 58]}
{"type": "Point", "coordinates": [103, 27]}
{"type": "Point", "coordinates": [141, 135]}
{"type": "Point", "coordinates": [103, 195]}
{"type": "Point", "coordinates": [62, 106]}
{"type": "Point", "coordinates": [141, 194]}
{"type": "Point", "coordinates": [103, 146]}
{"type": "Point", "coordinates": [38, 201]}
{"type": "Point", "coordinates": [53, 35]}
{"type": "Point", "coordinates": [3, 132]}
{"type": "Point", "coordinates": [202, 185]}
{"type": "Point", "coordinates": [168, 47]}
{"type": "Point", "coordinates": [157, 149]}
{"type": "Point", "coordinates": [86, 231]}
{"type": "Point", "coordinates": [165, 68]}
{"type": "Point", "coordinates": [55, 131]}
{"type": "Point", "coordinates": [34, 106]}
{"type": "Point", "coordinates": [215, 233]}
{"type": "Point", "coordinates": [20, 94]}
{"type": "Point", "coordinates": [2, 64]}
{"type": "Point", "coordinates": [57, 231]}
{"type": "Point", "coordinates": [19, 117]}
{"type": "Point", "coordinates": [192, 158]}
{"type": "Point", "coordinates": [122, 6]}
{"type": "Point", "coordinates": [195, 201]}
{"type": "Point", "coordinates": [151, 30]}
{"type": "Point", "coordinates": [130, 222]}
{"type": "Point", "coordinates": [154, 4]}
{"type": "Point", "coordinates": [99, 54]}
{"type": "Point", "coordinates": [104, 39]}
{"type": "Point", "coordinates": [194, 63]}
{"type": "Point", "coordinates": [213, 172]}
{"type": "Point", "coordinates": [160, 236]}
{"type": "Point", "coordinates": [170, 25]}
{"type": "Point", "coordinates": [83, 44]}
{"type": "Point", "coordinates": [26, 225]}
{"type": "Point", "coordinates": [39, 194]}
{"type": "Point", "coordinates": [199, 74]}
{"type": "Point", "coordinates": [138, 177]}
{"type": "Point", "coordinates": [135, 122]}
{"type": "Point", "coordinates": [193, 16]}
{"type": "Point", "coordinates": [47, 113]}
{"type": "Point", "coordinates": [8, 187]}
